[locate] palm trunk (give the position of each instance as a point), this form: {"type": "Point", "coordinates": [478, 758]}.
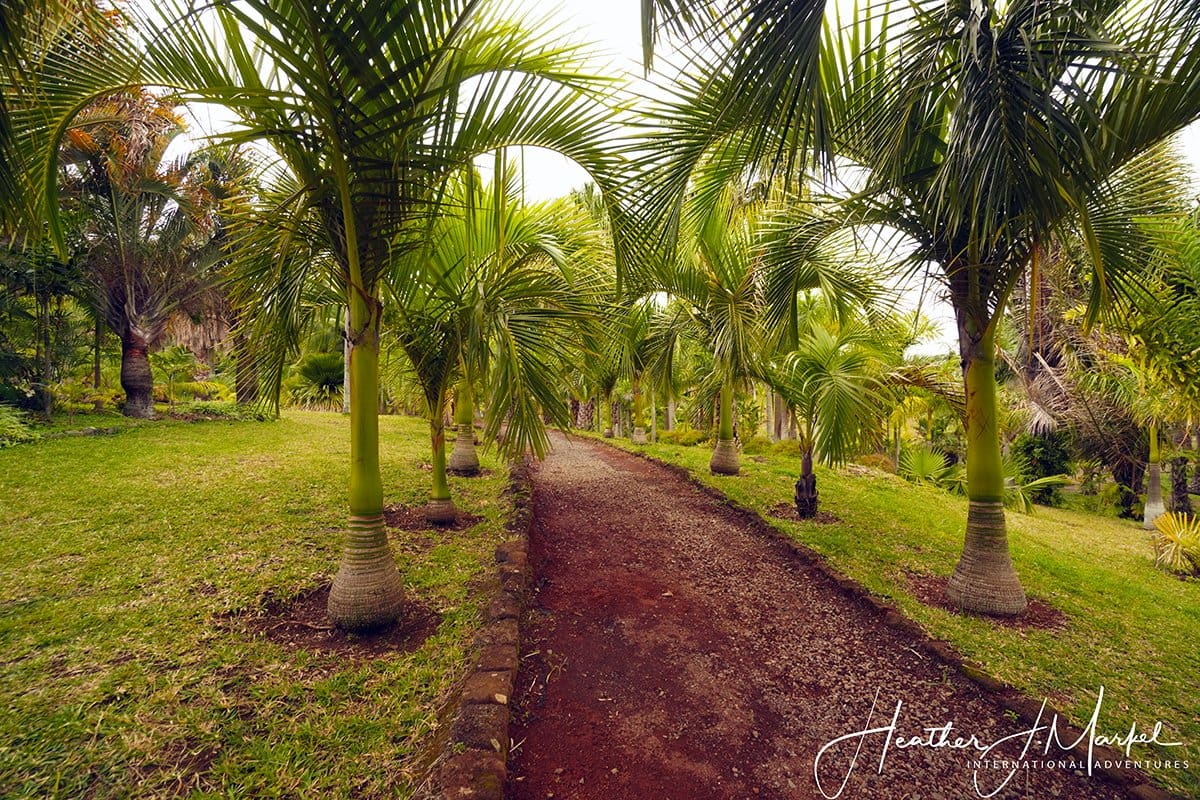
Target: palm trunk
{"type": "Point", "coordinates": [136, 378]}
{"type": "Point", "coordinates": [670, 413]}
{"type": "Point", "coordinates": [639, 415]}
{"type": "Point", "coordinates": [725, 455]}
{"type": "Point", "coordinates": [463, 459]}
{"type": "Point", "coordinates": [97, 342]}
{"type": "Point", "coordinates": [653, 417]}
{"type": "Point", "coordinates": [346, 368]}
{"type": "Point", "coordinates": [366, 592]}
{"type": "Point", "coordinates": [807, 497]}
{"type": "Point", "coordinates": [612, 412]}
{"type": "Point", "coordinates": [246, 377]}
{"type": "Point", "coordinates": [1181, 503]}
{"type": "Point", "coordinates": [1154, 500]}
{"type": "Point", "coordinates": [984, 580]}
{"type": "Point", "coordinates": [440, 510]}
{"type": "Point", "coordinates": [1194, 486]}
{"type": "Point", "coordinates": [47, 365]}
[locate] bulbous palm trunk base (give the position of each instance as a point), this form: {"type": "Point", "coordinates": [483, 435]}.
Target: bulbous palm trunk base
{"type": "Point", "coordinates": [639, 436]}
{"type": "Point", "coordinates": [807, 497]}
{"type": "Point", "coordinates": [138, 381]}
{"type": "Point", "coordinates": [1154, 500]}
{"type": "Point", "coordinates": [441, 512]}
{"type": "Point", "coordinates": [984, 582]}
{"type": "Point", "coordinates": [608, 432]}
{"type": "Point", "coordinates": [724, 459]}
{"type": "Point", "coordinates": [367, 592]}
{"type": "Point", "coordinates": [463, 459]}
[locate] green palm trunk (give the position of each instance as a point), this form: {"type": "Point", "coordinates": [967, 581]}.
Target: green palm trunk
{"type": "Point", "coordinates": [440, 509]}
{"type": "Point", "coordinates": [463, 459]}
{"type": "Point", "coordinates": [367, 591]}
{"type": "Point", "coordinates": [984, 580]}
{"type": "Point", "coordinates": [725, 456]}
{"type": "Point", "coordinates": [639, 414]}
{"type": "Point", "coordinates": [1154, 507]}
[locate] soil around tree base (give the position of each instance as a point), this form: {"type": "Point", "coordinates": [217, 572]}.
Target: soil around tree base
{"type": "Point", "coordinates": [303, 624]}
{"type": "Point", "coordinates": [931, 590]}
{"type": "Point", "coordinates": [672, 650]}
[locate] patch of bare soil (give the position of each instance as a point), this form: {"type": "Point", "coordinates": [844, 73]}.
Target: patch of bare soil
{"type": "Point", "coordinates": [931, 590]}
{"type": "Point", "coordinates": [676, 650]}
{"type": "Point", "coordinates": [788, 511]}
{"type": "Point", "coordinates": [302, 624]}
{"type": "Point", "coordinates": [413, 519]}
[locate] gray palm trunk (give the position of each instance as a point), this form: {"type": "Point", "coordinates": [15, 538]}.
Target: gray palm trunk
{"type": "Point", "coordinates": [136, 378]}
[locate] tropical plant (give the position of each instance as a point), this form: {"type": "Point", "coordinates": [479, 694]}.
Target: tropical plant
{"type": "Point", "coordinates": [1176, 542]}
{"type": "Point", "coordinates": [316, 381]}
{"type": "Point", "coordinates": [174, 362]}
{"type": "Point", "coordinates": [149, 246]}
{"type": "Point", "coordinates": [489, 301]}
{"type": "Point", "coordinates": [13, 427]}
{"type": "Point", "coordinates": [369, 107]}
{"type": "Point", "coordinates": [833, 382]}
{"type": "Point", "coordinates": [984, 128]}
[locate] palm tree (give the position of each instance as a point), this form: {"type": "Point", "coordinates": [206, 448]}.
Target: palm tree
{"type": "Point", "coordinates": [991, 128]}
{"type": "Point", "coordinates": [834, 379]}
{"type": "Point", "coordinates": [715, 287]}
{"type": "Point", "coordinates": [150, 245]}
{"type": "Point", "coordinates": [985, 127]}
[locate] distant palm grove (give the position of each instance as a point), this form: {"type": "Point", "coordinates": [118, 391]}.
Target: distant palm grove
{"type": "Point", "coordinates": [751, 265]}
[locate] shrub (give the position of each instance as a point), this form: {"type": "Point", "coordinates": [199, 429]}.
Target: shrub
{"type": "Point", "coordinates": [204, 390]}
{"type": "Point", "coordinates": [1177, 543]}
{"type": "Point", "coordinates": [787, 447]}
{"type": "Point", "coordinates": [215, 409]}
{"type": "Point", "coordinates": [13, 427]}
{"type": "Point", "coordinates": [756, 445]}
{"type": "Point", "coordinates": [685, 436]}
{"type": "Point", "coordinates": [1043, 457]}
{"type": "Point", "coordinates": [878, 461]}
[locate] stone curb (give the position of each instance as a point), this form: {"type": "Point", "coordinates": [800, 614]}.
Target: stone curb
{"type": "Point", "coordinates": [472, 764]}
{"type": "Point", "coordinates": [1136, 782]}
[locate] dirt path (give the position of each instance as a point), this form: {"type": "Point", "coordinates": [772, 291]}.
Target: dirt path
{"type": "Point", "coordinates": [673, 653]}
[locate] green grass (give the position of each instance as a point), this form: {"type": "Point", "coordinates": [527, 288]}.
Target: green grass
{"type": "Point", "coordinates": [121, 558]}
{"type": "Point", "coordinates": [1131, 628]}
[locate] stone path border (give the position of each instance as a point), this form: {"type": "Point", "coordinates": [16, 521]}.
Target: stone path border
{"type": "Point", "coordinates": [472, 764]}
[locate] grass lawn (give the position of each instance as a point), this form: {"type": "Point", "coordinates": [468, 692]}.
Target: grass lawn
{"type": "Point", "coordinates": [125, 564]}
{"type": "Point", "coordinates": [1130, 628]}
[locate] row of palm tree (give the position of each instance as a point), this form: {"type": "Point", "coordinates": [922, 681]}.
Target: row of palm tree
{"type": "Point", "coordinates": [982, 132]}
{"type": "Point", "coordinates": [981, 129]}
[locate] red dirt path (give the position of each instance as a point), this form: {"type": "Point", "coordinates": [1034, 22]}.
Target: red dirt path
{"type": "Point", "coordinates": [673, 652]}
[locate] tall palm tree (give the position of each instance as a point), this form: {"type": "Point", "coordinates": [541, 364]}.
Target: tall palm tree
{"type": "Point", "coordinates": [369, 106]}
{"type": "Point", "coordinates": [1008, 125]}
